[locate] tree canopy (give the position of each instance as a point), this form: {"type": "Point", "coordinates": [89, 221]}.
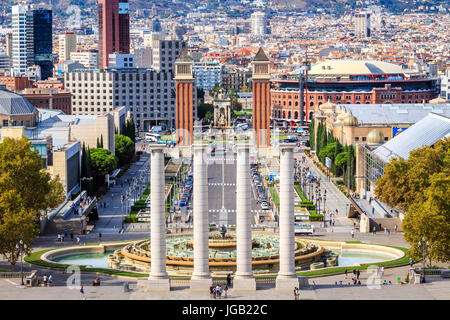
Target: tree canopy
{"type": "Point", "coordinates": [103, 163]}
{"type": "Point", "coordinates": [420, 186]}
{"type": "Point", "coordinates": [25, 190]}
{"type": "Point", "coordinates": [124, 149]}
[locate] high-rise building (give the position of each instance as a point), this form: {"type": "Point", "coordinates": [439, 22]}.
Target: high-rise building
{"type": "Point", "coordinates": [32, 39]}
{"type": "Point", "coordinates": [362, 24]}
{"type": "Point", "coordinates": [165, 52]}
{"type": "Point", "coordinates": [113, 29]}
{"type": "Point", "coordinates": [143, 57]}
{"type": "Point", "coordinates": [22, 36]}
{"type": "Point", "coordinates": [42, 39]}
{"type": "Point", "coordinates": [67, 44]}
{"type": "Point", "coordinates": [146, 94]}
{"type": "Point", "coordinates": [259, 23]}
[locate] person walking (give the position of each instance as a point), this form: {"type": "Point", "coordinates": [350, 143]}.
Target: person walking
{"type": "Point", "coordinates": [353, 233]}
{"type": "Point", "coordinates": [59, 237]}
{"type": "Point", "coordinates": [225, 292]}
{"type": "Point", "coordinates": [382, 271]}
{"type": "Point", "coordinates": [395, 228]}
{"type": "Point", "coordinates": [50, 280]}
{"type": "Point", "coordinates": [346, 272]}
{"type": "Point", "coordinates": [357, 274]}
{"type": "Point", "coordinates": [82, 293]}
{"type": "Point", "coordinates": [374, 230]}
{"type": "Point", "coordinates": [100, 237]}
{"type": "Point", "coordinates": [229, 280]}
{"type": "Point", "coordinates": [78, 241]}
{"type": "Point", "coordinates": [410, 263]}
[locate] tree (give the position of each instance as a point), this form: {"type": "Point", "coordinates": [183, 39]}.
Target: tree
{"type": "Point", "coordinates": [103, 163]}
{"type": "Point", "coordinates": [431, 220]}
{"type": "Point", "coordinates": [420, 186]}
{"type": "Point", "coordinates": [101, 141]}
{"type": "Point", "coordinates": [214, 92]}
{"type": "Point", "coordinates": [25, 191]}
{"type": "Point", "coordinates": [244, 88]}
{"type": "Point", "coordinates": [404, 181]}
{"type": "Point", "coordinates": [124, 149]}
{"type": "Point", "coordinates": [203, 108]}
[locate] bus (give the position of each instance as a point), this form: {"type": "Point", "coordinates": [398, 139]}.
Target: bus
{"type": "Point", "coordinates": [152, 137]}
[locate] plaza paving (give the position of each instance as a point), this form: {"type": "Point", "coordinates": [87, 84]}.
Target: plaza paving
{"type": "Point", "coordinates": [320, 287]}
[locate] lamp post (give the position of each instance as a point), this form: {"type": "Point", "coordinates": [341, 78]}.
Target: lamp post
{"type": "Point", "coordinates": [21, 247]}
{"type": "Point", "coordinates": [425, 247]}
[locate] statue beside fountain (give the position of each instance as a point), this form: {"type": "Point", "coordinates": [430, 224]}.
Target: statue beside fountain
{"type": "Point", "coordinates": [222, 110]}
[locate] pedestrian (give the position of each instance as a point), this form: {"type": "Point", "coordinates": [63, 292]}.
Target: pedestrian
{"type": "Point", "coordinates": [354, 272]}
{"type": "Point", "coordinates": [353, 233]}
{"type": "Point", "coordinates": [229, 280]}
{"type": "Point", "coordinates": [410, 262]}
{"type": "Point", "coordinates": [211, 291]}
{"type": "Point", "coordinates": [382, 271]}
{"type": "Point", "coordinates": [374, 230]}
{"type": "Point", "coordinates": [373, 210]}
{"type": "Point", "coordinates": [346, 272]}
{"type": "Point", "coordinates": [385, 230]}
{"type": "Point", "coordinates": [225, 291]}
{"type": "Point", "coordinates": [395, 228]}
{"type": "Point", "coordinates": [59, 237]}
{"type": "Point", "coordinates": [78, 240]}
{"type": "Point", "coordinates": [71, 237]}
{"type": "Point", "coordinates": [100, 237]}
{"type": "Point", "coordinates": [45, 280]}
{"type": "Point", "coordinates": [62, 238]}
{"type": "Point", "coordinates": [82, 293]}
{"type": "Point", "coordinates": [357, 274]}
{"type": "Point", "coordinates": [50, 280]}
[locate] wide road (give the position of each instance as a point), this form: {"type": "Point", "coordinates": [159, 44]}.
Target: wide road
{"type": "Point", "coordinates": [222, 187]}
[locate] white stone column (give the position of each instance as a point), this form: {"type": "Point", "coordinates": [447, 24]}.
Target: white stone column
{"type": "Point", "coordinates": [243, 279]}
{"type": "Point", "coordinates": [158, 279]}
{"type": "Point", "coordinates": [201, 278]}
{"type": "Point", "coordinates": [287, 278]}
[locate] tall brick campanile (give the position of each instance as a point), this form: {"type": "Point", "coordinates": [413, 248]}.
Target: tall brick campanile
{"type": "Point", "coordinates": [261, 99]}
{"type": "Point", "coordinates": [184, 102]}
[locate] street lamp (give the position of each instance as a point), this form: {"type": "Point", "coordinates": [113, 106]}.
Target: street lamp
{"type": "Point", "coordinates": [425, 246]}
{"type": "Point", "coordinates": [21, 247]}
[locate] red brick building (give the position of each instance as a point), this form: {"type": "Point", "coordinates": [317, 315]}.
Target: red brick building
{"type": "Point", "coordinates": [349, 82]}
{"type": "Point", "coordinates": [49, 98]}
{"type": "Point", "coordinates": [15, 83]}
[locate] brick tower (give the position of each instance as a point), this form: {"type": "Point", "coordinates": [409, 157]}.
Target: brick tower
{"type": "Point", "coordinates": [185, 99]}
{"type": "Point", "coordinates": [261, 99]}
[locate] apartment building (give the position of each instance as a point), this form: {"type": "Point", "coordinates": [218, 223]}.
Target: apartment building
{"type": "Point", "coordinates": [149, 96]}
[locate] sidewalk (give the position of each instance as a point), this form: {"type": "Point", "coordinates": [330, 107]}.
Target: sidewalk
{"type": "Point", "coordinates": [334, 197]}
{"type": "Point", "coordinates": [111, 217]}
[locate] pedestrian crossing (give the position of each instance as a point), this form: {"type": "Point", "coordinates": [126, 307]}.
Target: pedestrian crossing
{"type": "Point", "coordinates": [231, 210]}
{"type": "Point", "coordinates": [222, 184]}
{"type": "Point", "coordinates": [216, 159]}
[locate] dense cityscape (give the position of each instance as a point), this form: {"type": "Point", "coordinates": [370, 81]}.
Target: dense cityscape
{"type": "Point", "coordinates": [224, 149]}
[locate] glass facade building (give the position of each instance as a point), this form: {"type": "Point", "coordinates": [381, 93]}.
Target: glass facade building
{"type": "Point", "coordinates": [42, 30]}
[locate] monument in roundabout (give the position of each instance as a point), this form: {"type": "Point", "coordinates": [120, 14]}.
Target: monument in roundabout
{"type": "Point", "coordinates": [239, 251]}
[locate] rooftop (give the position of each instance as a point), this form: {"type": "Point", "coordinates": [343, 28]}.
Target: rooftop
{"type": "Point", "coordinates": [12, 104]}
{"type": "Point", "coordinates": [394, 113]}
{"type": "Point", "coordinates": [426, 132]}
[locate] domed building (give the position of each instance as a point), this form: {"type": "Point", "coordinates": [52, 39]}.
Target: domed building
{"type": "Point", "coordinates": [348, 82]}
{"type": "Point", "coordinates": [15, 110]}
{"type": "Point", "coordinates": [375, 136]}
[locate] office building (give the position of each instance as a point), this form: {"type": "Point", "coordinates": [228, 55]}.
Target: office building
{"type": "Point", "coordinates": [49, 98]}
{"type": "Point", "coordinates": [147, 95]}
{"type": "Point", "coordinates": [22, 36]}
{"type": "Point", "coordinates": [143, 57]}
{"type": "Point", "coordinates": [42, 39]}
{"type": "Point", "coordinates": [259, 23]}
{"type": "Point", "coordinates": [67, 45]}
{"type": "Point", "coordinates": [113, 29]}
{"type": "Point", "coordinates": [362, 24]}
{"type": "Point", "coordinates": [165, 52]}
{"type": "Point", "coordinates": [119, 61]}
